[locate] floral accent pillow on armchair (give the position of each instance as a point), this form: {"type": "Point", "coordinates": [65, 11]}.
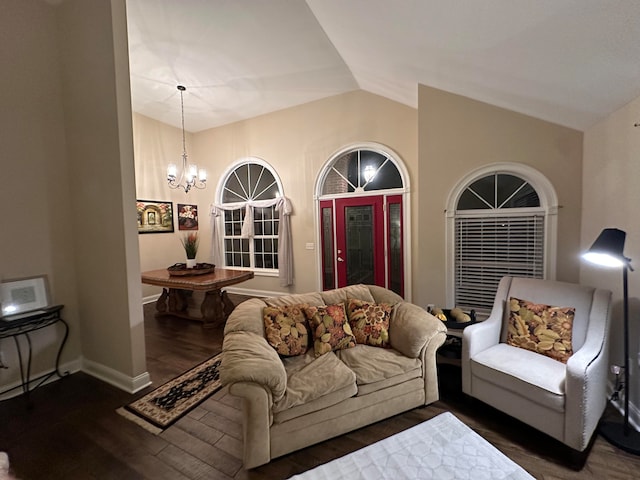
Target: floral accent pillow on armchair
{"type": "Point", "coordinates": [541, 328]}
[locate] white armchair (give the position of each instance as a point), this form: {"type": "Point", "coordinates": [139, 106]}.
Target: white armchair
{"type": "Point", "coordinates": [564, 401]}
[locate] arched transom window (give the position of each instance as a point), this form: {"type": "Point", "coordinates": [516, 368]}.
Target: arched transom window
{"type": "Point", "coordinates": [361, 170]}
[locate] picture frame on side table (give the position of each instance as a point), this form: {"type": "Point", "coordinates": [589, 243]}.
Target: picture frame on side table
{"type": "Point", "coordinates": [24, 294]}
{"type": "Point", "coordinates": [187, 217]}
{"type": "Point", "coordinates": [154, 216]}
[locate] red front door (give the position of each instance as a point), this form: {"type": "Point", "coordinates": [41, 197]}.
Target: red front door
{"type": "Point", "coordinates": [362, 244]}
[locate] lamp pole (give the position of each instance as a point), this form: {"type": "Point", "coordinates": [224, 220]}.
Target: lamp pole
{"type": "Point", "coordinates": [627, 392]}
{"type": "Point", "coordinates": [608, 250]}
{"type": "Point", "coordinates": [623, 436]}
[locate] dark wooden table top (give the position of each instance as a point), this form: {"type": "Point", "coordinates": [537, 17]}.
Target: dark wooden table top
{"type": "Point", "coordinates": [216, 280]}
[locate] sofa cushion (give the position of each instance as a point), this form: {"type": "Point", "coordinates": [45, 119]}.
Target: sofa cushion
{"type": "Point", "coordinates": [501, 366]}
{"type": "Point", "coordinates": [247, 317]}
{"type": "Point", "coordinates": [286, 329]}
{"type": "Point", "coordinates": [377, 368]}
{"type": "Point", "coordinates": [384, 295]}
{"type": "Point", "coordinates": [314, 384]}
{"type": "Point", "coordinates": [313, 298]}
{"type": "Point", "coordinates": [540, 328]}
{"type": "Point", "coordinates": [369, 322]}
{"type": "Point", "coordinates": [330, 328]}
{"type": "Point", "coordinates": [340, 295]}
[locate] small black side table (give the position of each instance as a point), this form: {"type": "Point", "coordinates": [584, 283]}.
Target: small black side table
{"type": "Point", "coordinates": [451, 351]}
{"type": "Point", "coordinates": [16, 326]}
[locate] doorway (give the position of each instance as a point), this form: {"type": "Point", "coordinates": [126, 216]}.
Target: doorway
{"type": "Point", "coordinates": [360, 244]}
{"type": "Point", "coordinates": [363, 235]}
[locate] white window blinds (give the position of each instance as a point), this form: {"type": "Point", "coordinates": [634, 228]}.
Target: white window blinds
{"type": "Point", "coordinates": [488, 248]}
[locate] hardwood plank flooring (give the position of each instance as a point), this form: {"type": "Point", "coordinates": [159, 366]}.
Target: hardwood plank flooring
{"type": "Point", "coordinates": [73, 431]}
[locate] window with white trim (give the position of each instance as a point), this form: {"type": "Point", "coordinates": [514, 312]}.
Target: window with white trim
{"type": "Point", "coordinates": [251, 181]}
{"type": "Point", "coordinates": [499, 229]}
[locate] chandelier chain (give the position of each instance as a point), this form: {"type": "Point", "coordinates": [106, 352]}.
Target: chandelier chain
{"type": "Point", "coordinates": [189, 176]}
{"type": "Point", "coordinates": [184, 143]}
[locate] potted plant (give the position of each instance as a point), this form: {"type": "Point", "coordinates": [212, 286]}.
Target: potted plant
{"type": "Point", "coordinates": [190, 244]}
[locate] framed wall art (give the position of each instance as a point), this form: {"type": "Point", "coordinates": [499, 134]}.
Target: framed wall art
{"type": "Point", "coordinates": [24, 294]}
{"type": "Point", "coordinates": [187, 217]}
{"type": "Point", "coordinates": [154, 216]}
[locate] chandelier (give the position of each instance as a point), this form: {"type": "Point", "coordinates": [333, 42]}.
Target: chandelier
{"type": "Point", "coordinates": [190, 176]}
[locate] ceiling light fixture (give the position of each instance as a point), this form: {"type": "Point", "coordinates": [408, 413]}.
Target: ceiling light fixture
{"type": "Point", "coordinates": [369, 173]}
{"type": "Point", "coordinates": [190, 175]}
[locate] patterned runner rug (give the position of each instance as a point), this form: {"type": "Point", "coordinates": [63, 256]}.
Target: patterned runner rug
{"type": "Point", "coordinates": [160, 408]}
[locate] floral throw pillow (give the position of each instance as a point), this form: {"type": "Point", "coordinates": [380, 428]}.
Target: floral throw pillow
{"type": "Point", "coordinates": [541, 328]}
{"type": "Point", "coordinates": [330, 328]}
{"type": "Point", "coordinates": [369, 322]}
{"type": "Point", "coordinates": [286, 329]}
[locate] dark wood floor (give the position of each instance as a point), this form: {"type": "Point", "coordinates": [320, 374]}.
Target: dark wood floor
{"type": "Point", "coordinates": [74, 432]}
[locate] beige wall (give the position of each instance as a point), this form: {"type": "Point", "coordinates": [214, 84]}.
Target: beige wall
{"type": "Point", "coordinates": [100, 152]}
{"type": "Point", "coordinates": [611, 197]}
{"type": "Point", "coordinates": [156, 145]}
{"type": "Point", "coordinates": [458, 135]}
{"type": "Point", "coordinates": [68, 170]}
{"type": "Point", "coordinates": [296, 142]}
{"type": "Point", "coordinates": [36, 236]}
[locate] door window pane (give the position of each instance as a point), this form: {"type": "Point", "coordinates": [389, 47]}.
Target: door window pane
{"type": "Point", "coordinates": [328, 274]}
{"type": "Point", "coordinates": [359, 241]}
{"type": "Point", "coordinates": [395, 248]}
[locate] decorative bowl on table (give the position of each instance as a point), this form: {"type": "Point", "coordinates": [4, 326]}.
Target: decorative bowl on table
{"type": "Point", "coordinates": [180, 269]}
{"type": "Point", "coordinates": [454, 317]}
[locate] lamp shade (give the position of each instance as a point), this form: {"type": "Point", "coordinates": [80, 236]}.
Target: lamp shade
{"type": "Point", "coordinates": [608, 249]}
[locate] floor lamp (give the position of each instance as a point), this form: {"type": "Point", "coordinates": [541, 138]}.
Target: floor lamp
{"type": "Point", "coordinates": [607, 250]}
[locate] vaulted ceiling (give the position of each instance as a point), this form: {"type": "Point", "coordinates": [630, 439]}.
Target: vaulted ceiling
{"type": "Point", "coordinates": [571, 62]}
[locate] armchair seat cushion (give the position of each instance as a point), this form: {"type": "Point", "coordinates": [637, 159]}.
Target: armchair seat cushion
{"type": "Point", "coordinates": [377, 368]}
{"type": "Point", "coordinates": [502, 365]}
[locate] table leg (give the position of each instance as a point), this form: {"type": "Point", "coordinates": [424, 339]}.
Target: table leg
{"type": "Point", "coordinates": [161, 303]}
{"type": "Point", "coordinates": [228, 305]}
{"type": "Point", "coordinates": [177, 301]}
{"type": "Point", "coordinates": [212, 309]}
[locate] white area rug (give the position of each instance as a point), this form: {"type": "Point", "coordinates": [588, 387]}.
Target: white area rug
{"type": "Point", "coordinates": [440, 448]}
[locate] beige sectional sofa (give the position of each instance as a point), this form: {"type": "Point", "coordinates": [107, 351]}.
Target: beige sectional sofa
{"type": "Point", "coordinates": [293, 402]}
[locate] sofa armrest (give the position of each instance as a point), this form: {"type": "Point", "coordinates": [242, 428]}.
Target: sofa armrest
{"type": "Point", "coordinates": [256, 421]}
{"type": "Point", "coordinates": [247, 357]}
{"type": "Point", "coordinates": [412, 327]}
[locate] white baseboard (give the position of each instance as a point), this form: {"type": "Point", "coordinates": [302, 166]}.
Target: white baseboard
{"type": "Point", "coordinates": [151, 298]}
{"type": "Point", "coordinates": [237, 290]}
{"type": "Point", "coordinates": [115, 378]}
{"type": "Point", "coordinates": [254, 293]}
{"type": "Point", "coordinates": [14, 389]}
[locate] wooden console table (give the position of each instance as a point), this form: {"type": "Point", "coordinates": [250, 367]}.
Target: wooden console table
{"type": "Point", "coordinates": [215, 307]}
